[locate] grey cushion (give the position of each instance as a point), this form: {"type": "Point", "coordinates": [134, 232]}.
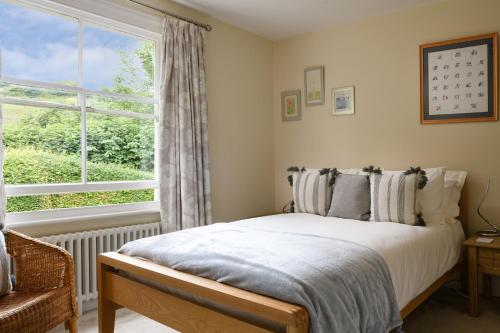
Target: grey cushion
{"type": "Point", "coordinates": [351, 197]}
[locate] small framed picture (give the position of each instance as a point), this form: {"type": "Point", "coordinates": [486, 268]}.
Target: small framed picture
{"type": "Point", "coordinates": [290, 105]}
{"type": "Point", "coordinates": [314, 81]}
{"type": "Point", "coordinates": [343, 101]}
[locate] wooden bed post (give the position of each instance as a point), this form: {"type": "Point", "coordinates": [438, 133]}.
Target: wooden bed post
{"type": "Point", "coordinates": [107, 309]}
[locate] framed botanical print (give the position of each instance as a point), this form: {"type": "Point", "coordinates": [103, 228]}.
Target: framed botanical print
{"type": "Point", "coordinates": [459, 80]}
{"type": "Point", "coordinates": [314, 81]}
{"type": "Point", "coordinates": [290, 105]}
{"type": "Point", "coordinates": [343, 101]}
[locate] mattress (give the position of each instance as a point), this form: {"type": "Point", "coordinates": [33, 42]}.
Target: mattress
{"type": "Point", "coordinates": [416, 256]}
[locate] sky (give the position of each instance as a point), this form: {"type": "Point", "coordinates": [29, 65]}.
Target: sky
{"type": "Point", "coordinates": [42, 47]}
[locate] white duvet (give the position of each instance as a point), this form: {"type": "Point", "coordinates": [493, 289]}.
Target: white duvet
{"type": "Point", "coordinates": [416, 256]}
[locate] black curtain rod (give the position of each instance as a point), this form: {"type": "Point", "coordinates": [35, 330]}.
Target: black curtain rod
{"type": "Point", "coordinates": [207, 27]}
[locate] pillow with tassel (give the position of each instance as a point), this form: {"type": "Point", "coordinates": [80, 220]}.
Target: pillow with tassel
{"type": "Point", "coordinates": [394, 196]}
{"type": "Point", "coordinates": [311, 190]}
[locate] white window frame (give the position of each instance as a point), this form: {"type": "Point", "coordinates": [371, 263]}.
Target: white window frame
{"type": "Point", "coordinates": [86, 17]}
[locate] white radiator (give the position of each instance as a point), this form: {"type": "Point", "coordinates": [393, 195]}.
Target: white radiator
{"type": "Point", "coordinates": [86, 245]}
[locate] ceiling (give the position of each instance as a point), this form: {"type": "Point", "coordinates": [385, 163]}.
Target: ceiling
{"type": "Point", "coordinates": [279, 19]}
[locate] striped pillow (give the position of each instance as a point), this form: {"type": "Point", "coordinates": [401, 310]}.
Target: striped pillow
{"type": "Point", "coordinates": [311, 192]}
{"type": "Point", "coordinates": [394, 197]}
{"type": "Point", "coordinates": [5, 285]}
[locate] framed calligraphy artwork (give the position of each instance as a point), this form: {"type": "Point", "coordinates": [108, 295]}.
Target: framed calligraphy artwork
{"type": "Point", "coordinates": [459, 80]}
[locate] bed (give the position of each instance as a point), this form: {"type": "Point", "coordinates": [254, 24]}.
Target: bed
{"type": "Point", "coordinates": [419, 260]}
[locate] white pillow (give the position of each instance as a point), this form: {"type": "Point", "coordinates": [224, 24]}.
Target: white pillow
{"type": "Point", "coordinates": [453, 183]}
{"type": "Point", "coordinates": [362, 171]}
{"type": "Point", "coordinates": [430, 198]}
{"type": "Point", "coordinates": [351, 171]}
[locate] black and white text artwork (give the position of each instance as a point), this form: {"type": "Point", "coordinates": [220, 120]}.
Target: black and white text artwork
{"type": "Point", "coordinates": [458, 80]}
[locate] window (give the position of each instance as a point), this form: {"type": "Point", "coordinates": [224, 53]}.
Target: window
{"type": "Point", "coordinates": [78, 103]}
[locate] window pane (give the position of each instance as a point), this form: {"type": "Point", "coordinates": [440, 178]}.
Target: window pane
{"type": "Point", "coordinates": [117, 62]}
{"type": "Point", "coordinates": [53, 201]}
{"type": "Point", "coordinates": [38, 46]}
{"type": "Point", "coordinates": [107, 103]}
{"type": "Point", "coordinates": [119, 148]}
{"type": "Point", "coordinates": [38, 94]}
{"type": "Point", "coordinates": [42, 146]}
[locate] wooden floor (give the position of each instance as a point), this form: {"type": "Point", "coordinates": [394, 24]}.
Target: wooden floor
{"type": "Point", "coordinates": [127, 322]}
{"type": "Point", "coordinates": [445, 311]}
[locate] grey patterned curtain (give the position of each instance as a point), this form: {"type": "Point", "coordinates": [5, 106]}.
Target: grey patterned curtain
{"type": "Point", "coordinates": [3, 198]}
{"type": "Point", "coordinates": [183, 140]}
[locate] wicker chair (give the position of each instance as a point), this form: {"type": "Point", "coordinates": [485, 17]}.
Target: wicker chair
{"type": "Point", "coordinates": [44, 296]}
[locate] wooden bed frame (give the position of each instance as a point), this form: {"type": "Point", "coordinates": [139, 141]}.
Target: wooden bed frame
{"type": "Point", "coordinates": [117, 291]}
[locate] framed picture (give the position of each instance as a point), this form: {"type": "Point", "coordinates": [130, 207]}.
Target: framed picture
{"type": "Point", "coordinates": [290, 105]}
{"type": "Point", "coordinates": [458, 80]}
{"type": "Point", "coordinates": [314, 81]}
{"type": "Point", "coordinates": [343, 101]}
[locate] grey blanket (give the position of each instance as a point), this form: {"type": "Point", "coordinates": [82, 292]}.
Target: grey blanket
{"type": "Point", "coordinates": [344, 286]}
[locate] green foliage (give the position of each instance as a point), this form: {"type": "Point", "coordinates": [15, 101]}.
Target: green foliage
{"type": "Point", "coordinates": [30, 166]}
{"type": "Point", "coordinates": [130, 80]}
{"type": "Point", "coordinates": [136, 77]}
{"type": "Point", "coordinates": [52, 130]}
{"type": "Point", "coordinates": [43, 202]}
{"type": "Point", "coordinates": [43, 146]}
{"type": "Point", "coordinates": [39, 94]}
{"type": "Point", "coordinates": [120, 140]}
{"type": "Point", "coordinates": [106, 103]}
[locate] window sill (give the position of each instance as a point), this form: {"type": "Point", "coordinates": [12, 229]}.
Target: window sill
{"type": "Point", "coordinates": [58, 221]}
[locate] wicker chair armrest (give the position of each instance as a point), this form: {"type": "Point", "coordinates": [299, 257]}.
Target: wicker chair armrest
{"type": "Point", "coordinates": [39, 265]}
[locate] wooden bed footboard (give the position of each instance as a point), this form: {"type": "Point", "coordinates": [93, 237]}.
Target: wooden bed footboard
{"type": "Point", "coordinates": [117, 291]}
